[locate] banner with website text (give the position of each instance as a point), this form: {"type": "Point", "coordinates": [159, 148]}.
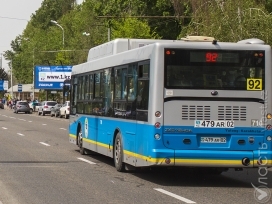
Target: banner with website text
{"type": "Point", "coordinates": [3, 85]}
{"type": "Point", "coordinates": [51, 77]}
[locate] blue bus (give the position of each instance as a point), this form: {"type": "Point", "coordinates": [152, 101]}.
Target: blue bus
{"type": "Point", "coordinates": [194, 102]}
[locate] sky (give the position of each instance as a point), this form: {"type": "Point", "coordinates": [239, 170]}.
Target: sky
{"type": "Point", "coordinates": [11, 11]}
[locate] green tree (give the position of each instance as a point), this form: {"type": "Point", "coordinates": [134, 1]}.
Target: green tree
{"type": "Point", "coordinates": [230, 20]}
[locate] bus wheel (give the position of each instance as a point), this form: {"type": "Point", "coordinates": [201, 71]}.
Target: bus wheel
{"type": "Point", "coordinates": [80, 142]}
{"type": "Point", "coordinates": [118, 153]}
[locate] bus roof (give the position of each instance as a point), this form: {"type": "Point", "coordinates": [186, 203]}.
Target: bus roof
{"type": "Point", "coordinates": [119, 45]}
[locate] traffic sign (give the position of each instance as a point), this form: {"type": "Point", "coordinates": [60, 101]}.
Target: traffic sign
{"type": "Point", "coordinates": [20, 88]}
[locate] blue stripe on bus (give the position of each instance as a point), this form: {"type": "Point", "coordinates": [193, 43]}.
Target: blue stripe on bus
{"type": "Point", "coordinates": [142, 144]}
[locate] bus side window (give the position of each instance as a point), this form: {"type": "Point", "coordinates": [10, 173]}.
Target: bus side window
{"type": "Point", "coordinates": [74, 95]}
{"type": "Point", "coordinates": [142, 93]}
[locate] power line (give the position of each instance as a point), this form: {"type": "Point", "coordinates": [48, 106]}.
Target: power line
{"type": "Point", "coordinates": [10, 18]}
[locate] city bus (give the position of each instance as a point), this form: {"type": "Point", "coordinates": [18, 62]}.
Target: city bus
{"type": "Point", "coordinates": [194, 102]}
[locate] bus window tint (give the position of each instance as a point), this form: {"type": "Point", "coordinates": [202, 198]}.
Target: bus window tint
{"type": "Point", "coordinates": [83, 88]}
{"type": "Point", "coordinates": [87, 87]}
{"type": "Point", "coordinates": [74, 95]}
{"type": "Point", "coordinates": [79, 89]}
{"type": "Point", "coordinates": [124, 83]}
{"type": "Point", "coordinates": [118, 83]}
{"type": "Point", "coordinates": [132, 82]}
{"type": "Point", "coordinates": [97, 86]}
{"type": "Point", "coordinates": [91, 86]}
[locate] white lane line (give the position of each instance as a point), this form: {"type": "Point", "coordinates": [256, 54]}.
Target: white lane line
{"type": "Point", "coordinates": [20, 134]}
{"type": "Point", "coordinates": [12, 117]}
{"type": "Point", "coordinates": [44, 124]}
{"type": "Point", "coordinates": [30, 121]}
{"type": "Point", "coordinates": [44, 144]}
{"type": "Point", "coordinates": [62, 129]}
{"type": "Point", "coordinates": [174, 195]}
{"type": "Point", "coordinates": [22, 119]}
{"type": "Point", "coordinates": [4, 128]}
{"type": "Point", "coordinates": [85, 160]}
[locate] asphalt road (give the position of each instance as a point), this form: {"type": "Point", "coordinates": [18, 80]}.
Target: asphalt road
{"type": "Point", "coordinates": [38, 165]}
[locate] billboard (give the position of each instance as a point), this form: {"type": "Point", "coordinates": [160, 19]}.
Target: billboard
{"type": "Point", "coordinates": [51, 77]}
{"type": "Point", "coordinates": [3, 85]}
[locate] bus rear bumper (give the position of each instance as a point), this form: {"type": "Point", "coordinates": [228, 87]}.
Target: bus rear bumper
{"type": "Point", "coordinates": [228, 159]}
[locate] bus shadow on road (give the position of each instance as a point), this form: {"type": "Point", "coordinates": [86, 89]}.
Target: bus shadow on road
{"type": "Point", "coordinates": [184, 176]}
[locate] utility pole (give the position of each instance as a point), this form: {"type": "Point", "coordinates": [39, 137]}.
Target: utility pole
{"type": "Point", "coordinates": [1, 62]}
{"type": "Point", "coordinates": [11, 80]}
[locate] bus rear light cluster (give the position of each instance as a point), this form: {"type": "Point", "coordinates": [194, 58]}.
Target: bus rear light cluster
{"type": "Point", "coordinates": [251, 140]}
{"type": "Point", "coordinates": [158, 114]}
{"type": "Point", "coordinates": [157, 125]}
{"type": "Point", "coordinates": [269, 116]}
{"type": "Point", "coordinates": [269, 127]}
{"type": "Point", "coordinates": [167, 161]}
{"type": "Point", "coordinates": [157, 136]}
{"type": "Point", "coordinates": [268, 138]}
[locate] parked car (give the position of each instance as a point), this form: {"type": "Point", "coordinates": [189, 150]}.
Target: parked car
{"type": "Point", "coordinates": [2, 105]}
{"type": "Point", "coordinates": [56, 110]}
{"type": "Point", "coordinates": [34, 106]}
{"type": "Point", "coordinates": [65, 110]}
{"type": "Point", "coordinates": [22, 106]}
{"type": "Point", "coordinates": [45, 107]}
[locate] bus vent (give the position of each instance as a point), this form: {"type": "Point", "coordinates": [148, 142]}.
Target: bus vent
{"type": "Point", "coordinates": [196, 112]}
{"type": "Point", "coordinates": [232, 113]}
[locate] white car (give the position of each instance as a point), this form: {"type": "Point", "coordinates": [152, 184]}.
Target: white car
{"type": "Point", "coordinates": [65, 110]}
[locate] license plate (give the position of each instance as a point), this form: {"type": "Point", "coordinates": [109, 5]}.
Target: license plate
{"type": "Point", "coordinates": [213, 140]}
{"type": "Point", "coordinates": [214, 123]}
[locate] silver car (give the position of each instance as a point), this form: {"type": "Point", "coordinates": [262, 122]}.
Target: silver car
{"type": "Point", "coordinates": [22, 106]}
{"type": "Point", "coordinates": [45, 107]}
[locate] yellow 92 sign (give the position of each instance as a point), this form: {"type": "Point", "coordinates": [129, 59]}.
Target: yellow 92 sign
{"type": "Point", "coordinates": [254, 84]}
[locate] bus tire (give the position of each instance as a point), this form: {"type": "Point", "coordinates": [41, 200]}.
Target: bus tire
{"type": "Point", "coordinates": [82, 150]}
{"type": "Point", "coordinates": [118, 153]}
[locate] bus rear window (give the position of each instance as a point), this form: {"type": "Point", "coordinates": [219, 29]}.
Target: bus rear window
{"type": "Point", "coordinates": [205, 69]}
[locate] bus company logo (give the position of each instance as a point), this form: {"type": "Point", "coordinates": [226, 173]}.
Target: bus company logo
{"type": "Point", "coordinates": [262, 194]}
{"type": "Point", "coordinates": [86, 127]}
{"type": "Point", "coordinates": [197, 123]}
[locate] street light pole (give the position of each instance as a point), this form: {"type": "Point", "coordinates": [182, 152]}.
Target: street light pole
{"type": "Point", "coordinates": [55, 22]}
{"type": "Point", "coordinates": [11, 80]}
{"type": "Point", "coordinates": [33, 93]}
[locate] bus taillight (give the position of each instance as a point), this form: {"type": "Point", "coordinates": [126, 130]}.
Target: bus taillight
{"type": "Point", "coordinates": [269, 127]}
{"type": "Point", "coordinates": [268, 138]}
{"type": "Point", "coordinates": [167, 161]}
{"type": "Point", "coordinates": [269, 116]}
{"type": "Point", "coordinates": [158, 114]}
{"type": "Point", "coordinates": [157, 136]}
{"type": "Point", "coordinates": [157, 125]}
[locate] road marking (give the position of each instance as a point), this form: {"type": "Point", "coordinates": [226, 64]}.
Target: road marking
{"type": "Point", "coordinates": [44, 124]}
{"type": "Point", "coordinates": [22, 119]}
{"type": "Point", "coordinates": [20, 134]}
{"type": "Point", "coordinates": [85, 160]}
{"type": "Point", "coordinates": [44, 144]}
{"type": "Point", "coordinates": [174, 195]}
{"type": "Point", "coordinates": [30, 121]}
{"type": "Point", "coordinates": [62, 128]}
{"type": "Point", "coordinates": [4, 128]}
{"type": "Point", "coordinates": [13, 117]}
